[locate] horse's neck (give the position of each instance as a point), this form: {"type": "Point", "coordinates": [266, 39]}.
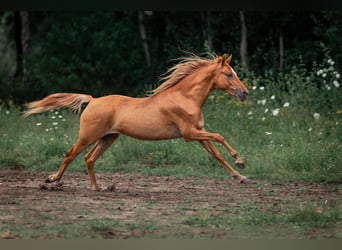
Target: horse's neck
{"type": "Point", "coordinates": [197, 86]}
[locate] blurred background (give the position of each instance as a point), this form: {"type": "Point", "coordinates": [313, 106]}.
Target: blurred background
{"type": "Point", "coordinates": [124, 52]}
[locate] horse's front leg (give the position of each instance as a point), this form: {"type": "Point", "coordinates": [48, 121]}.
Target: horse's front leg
{"type": "Point", "coordinates": [211, 149]}
{"type": "Point", "coordinates": [238, 161]}
{"type": "Point", "coordinates": [197, 134]}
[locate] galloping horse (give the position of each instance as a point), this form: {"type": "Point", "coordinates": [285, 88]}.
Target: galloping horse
{"type": "Point", "coordinates": [173, 110]}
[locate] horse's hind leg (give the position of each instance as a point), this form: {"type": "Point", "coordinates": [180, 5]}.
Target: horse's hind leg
{"type": "Point", "coordinates": [68, 158]}
{"type": "Point", "coordinates": [91, 157]}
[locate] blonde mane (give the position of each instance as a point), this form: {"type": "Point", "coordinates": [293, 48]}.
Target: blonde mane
{"type": "Point", "coordinates": [185, 67]}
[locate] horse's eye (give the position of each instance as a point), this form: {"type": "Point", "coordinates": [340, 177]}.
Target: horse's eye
{"type": "Point", "coordinates": [229, 75]}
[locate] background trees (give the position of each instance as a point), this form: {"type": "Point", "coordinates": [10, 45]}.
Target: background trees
{"type": "Point", "coordinates": [123, 52]}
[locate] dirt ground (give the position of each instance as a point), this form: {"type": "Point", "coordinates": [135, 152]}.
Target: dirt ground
{"type": "Point", "coordinates": [176, 205]}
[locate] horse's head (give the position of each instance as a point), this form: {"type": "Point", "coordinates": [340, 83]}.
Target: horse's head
{"type": "Point", "coordinates": [227, 79]}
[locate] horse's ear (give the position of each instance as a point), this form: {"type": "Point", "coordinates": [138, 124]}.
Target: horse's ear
{"type": "Point", "coordinates": [229, 59]}
{"type": "Point", "coordinates": [224, 58]}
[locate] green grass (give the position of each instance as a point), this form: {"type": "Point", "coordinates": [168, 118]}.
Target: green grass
{"type": "Point", "coordinates": [292, 145]}
{"type": "Point", "coordinates": [305, 217]}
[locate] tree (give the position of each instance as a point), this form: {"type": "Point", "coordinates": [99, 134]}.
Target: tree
{"type": "Point", "coordinates": [207, 30]}
{"type": "Point", "coordinates": [22, 37]}
{"type": "Point", "coordinates": [281, 49]}
{"type": "Point", "coordinates": [243, 43]}
{"type": "Point", "coordinates": [143, 37]}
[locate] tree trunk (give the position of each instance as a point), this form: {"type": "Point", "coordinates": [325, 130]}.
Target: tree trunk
{"type": "Point", "coordinates": [209, 36]}
{"type": "Point", "coordinates": [21, 37]}
{"type": "Point", "coordinates": [25, 37]}
{"type": "Point", "coordinates": [143, 38]}
{"type": "Point", "coordinates": [281, 50]}
{"type": "Point", "coordinates": [18, 44]}
{"type": "Point", "coordinates": [207, 33]}
{"type": "Point", "coordinates": [243, 43]}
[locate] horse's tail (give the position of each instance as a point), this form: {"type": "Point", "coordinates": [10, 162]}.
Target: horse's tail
{"type": "Point", "coordinates": [57, 101]}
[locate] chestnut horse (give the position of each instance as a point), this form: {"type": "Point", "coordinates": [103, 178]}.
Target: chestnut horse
{"type": "Point", "coordinates": [172, 110]}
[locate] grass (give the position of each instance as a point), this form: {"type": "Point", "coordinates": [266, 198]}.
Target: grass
{"type": "Point", "coordinates": [305, 217]}
{"type": "Point", "coordinates": [290, 145]}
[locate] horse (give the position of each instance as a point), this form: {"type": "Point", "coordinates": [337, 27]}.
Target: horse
{"type": "Point", "coordinates": [172, 110]}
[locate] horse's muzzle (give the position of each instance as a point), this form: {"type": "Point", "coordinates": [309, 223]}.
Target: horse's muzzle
{"type": "Point", "coordinates": [241, 94]}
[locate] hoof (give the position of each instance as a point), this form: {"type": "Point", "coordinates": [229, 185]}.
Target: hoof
{"type": "Point", "coordinates": [50, 179]}
{"type": "Point", "coordinates": [97, 189]}
{"type": "Point", "coordinates": [240, 164]}
{"type": "Point", "coordinates": [244, 181]}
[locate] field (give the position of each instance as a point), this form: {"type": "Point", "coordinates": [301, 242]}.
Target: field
{"type": "Point", "coordinates": [137, 205]}
{"type": "Point", "coordinates": [173, 189]}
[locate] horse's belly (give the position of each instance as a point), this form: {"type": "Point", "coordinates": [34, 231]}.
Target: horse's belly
{"type": "Point", "coordinates": [151, 132]}
{"type": "Point", "coordinates": [148, 128]}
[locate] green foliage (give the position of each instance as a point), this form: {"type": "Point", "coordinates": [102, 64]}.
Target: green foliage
{"type": "Point", "coordinates": [93, 52]}
{"type": "Point", "coordinates": [102, 52]}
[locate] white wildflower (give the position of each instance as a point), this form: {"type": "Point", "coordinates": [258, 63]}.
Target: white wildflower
{"type": "Point", "coordinates": [324, 75]}
{"type": "Point", "coordinates": [310, 129]}
{"type": "Point", "coordinates": [39, 124]}
{"type": "Point", "coordinates": [336, 83]}
{"type": "Point", "coordinates": [266, 110]}
{"type": "Point", "coordinates": [7, 112]}
{"type": "Point", "coordinates": [55, 123]}
{"type": "Point", "coordinates": [254, 87]}
{"type": "Point", "coordinates": [319, 72]}
{"type": "Point", "coordinates": [337, 75]}
{"type": "Point", "coordinates": [272, 97]}
{"type": "Point", "coordinates": [262, 88]}
{"type": "Point", "coordinates": [268, 133]}
{"type": "Point", "coordinates": [263, 102]}
{"type": "Point", "coordinates": [275, 112]}
{"type": "Point", "coordinates": [53, 117]}
{"type": "Point", "coordinates": [250, 113]}
{"type": "Point", "coordinates": [327, 87]}
{"type": "Point", "coordinates": [263, 119]}
{"type": "Point", "coordinates": [60, 117]}
{"type": "Point", "coordinates": [316, 115]}
{"type": "Point", "coordinates": [286, 104]}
